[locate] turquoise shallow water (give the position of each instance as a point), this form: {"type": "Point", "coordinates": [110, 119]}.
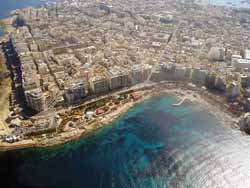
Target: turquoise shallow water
{"type": "Point", "coordinates": [153, 145]}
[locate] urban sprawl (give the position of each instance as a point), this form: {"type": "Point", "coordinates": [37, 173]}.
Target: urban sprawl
{"type": "Point", "coordinates": [75, 62]}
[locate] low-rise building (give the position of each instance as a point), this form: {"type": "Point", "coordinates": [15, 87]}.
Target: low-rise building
{"type": "Point", "coordinates": [241, 64]}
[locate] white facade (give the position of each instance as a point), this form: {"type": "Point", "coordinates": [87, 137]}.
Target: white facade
{"type": "Point", "coordinates": [247, 54]}
{"type": "Point", "coordinates": [241, 64]}
{"type": "Point", "coordinates": [75, 92]}
{"type": "Point", "coordinates": [99, 86]}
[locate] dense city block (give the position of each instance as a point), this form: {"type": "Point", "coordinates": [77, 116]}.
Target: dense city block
{"type": "Point", "coordinates": [74, 60]}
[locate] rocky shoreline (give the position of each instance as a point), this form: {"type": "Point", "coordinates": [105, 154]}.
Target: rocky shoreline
{"type": "Point", "coordinates": [6, 25]}
{"type": "Point", "coordinates": [224, 116]}
{"type": "Point", "coordinates": [74, 134]}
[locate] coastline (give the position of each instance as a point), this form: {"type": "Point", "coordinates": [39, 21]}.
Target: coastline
{"type": "Point", "coordinates": [224, 116]}
{"type": "Point", "coordinates": [6, 27]}
{"type": "Point", "coordinates": [73, 134]}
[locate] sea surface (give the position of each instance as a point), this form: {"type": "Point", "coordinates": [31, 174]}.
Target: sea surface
{"type": "Point", "coordinates": [153, 145]}
{"type": "Point", "coordinates": [6, 6]}
{"type": "Point", "coordinates": [227, 3]}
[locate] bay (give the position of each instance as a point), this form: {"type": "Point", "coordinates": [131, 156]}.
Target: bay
{"type": "Point", "coordinates": [153, 145]}
{"type": "Point", "coordinates": [6, 6]}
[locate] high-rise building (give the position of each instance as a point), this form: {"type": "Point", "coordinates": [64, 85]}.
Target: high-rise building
{"type": "Point", "coordinates": [199, 76]}
{"type": "Point", "coordinates": [140, 73]}
{"type": "Point", "coordinates": [35, 100]}
{"type": "Point", "coordinates": [99, 84]}
{"type": "Point", "coordinates": [117, 78]}
{"type": "Point", "coordinates": [75, 91]}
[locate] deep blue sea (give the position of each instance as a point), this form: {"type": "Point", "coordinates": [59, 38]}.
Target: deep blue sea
{"type": "Point", "coordinates": [6, 6]}
{"type": "Point", "coordinates": [153, 145]}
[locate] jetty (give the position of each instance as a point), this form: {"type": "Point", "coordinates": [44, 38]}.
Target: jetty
{"type": "Point", "coordinates": [181, 102]}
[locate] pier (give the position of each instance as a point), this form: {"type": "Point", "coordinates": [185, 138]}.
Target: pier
{"type": "Point", "coordinates": [181, 102]}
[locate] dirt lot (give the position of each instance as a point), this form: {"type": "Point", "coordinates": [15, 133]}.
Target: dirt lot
{"type": "Point", "coordinates": [5, 90]}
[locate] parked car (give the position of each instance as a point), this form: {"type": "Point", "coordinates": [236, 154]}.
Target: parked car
{"type": "Point", "coordinates": [11, 139]}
